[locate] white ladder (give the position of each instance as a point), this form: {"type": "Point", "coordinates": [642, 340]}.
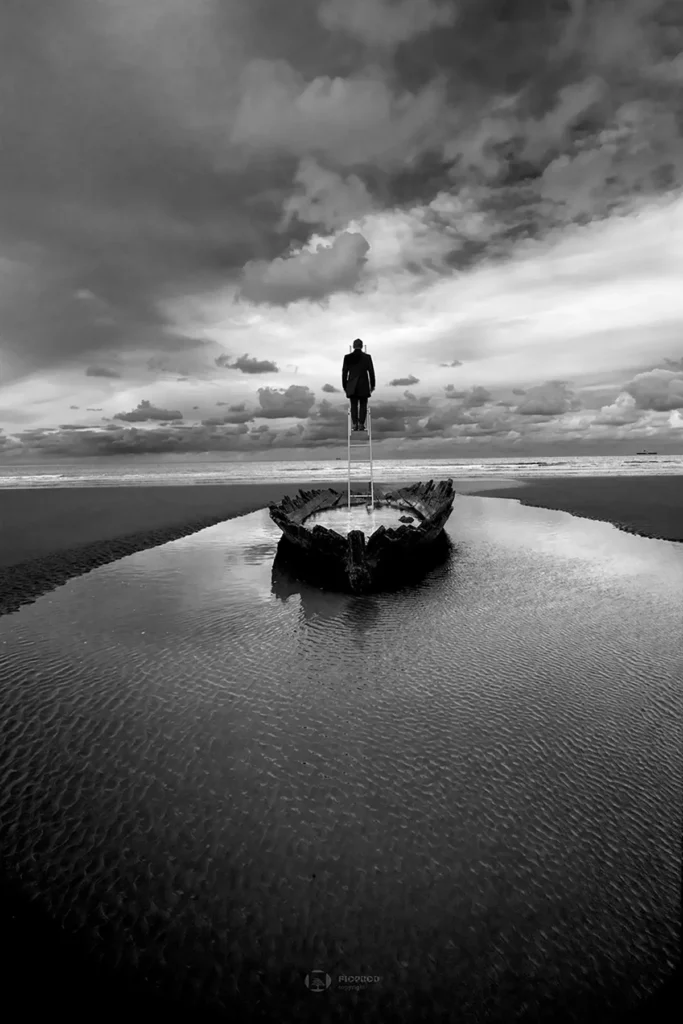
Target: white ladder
{"type": "Point", "coordinates": [361, 445]}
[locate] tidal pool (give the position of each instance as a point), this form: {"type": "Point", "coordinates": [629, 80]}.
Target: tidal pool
{"type": "Point", "coordinates": [470, 789]}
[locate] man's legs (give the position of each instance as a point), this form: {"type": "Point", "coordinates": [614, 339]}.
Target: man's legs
{"type": "Point", "coordinates": [363, 413]}
{"type": "Point", "coordinates": [354, 411]}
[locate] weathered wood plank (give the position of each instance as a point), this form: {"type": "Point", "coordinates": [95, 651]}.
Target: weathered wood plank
{"type": "Point", "coordinates": [359, 560]}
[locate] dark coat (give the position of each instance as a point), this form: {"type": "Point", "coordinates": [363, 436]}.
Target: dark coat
{"type": "Point", "coordinates": [358, 374]}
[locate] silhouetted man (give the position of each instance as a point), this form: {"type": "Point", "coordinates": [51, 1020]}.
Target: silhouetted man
{"type": "Point", "coordinates": [358, 381]}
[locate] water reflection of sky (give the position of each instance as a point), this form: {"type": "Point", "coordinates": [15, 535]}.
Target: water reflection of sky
{"type": "Point", "coordinates": [359, 517]}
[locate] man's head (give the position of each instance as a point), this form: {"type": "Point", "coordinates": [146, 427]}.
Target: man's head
{"type": "Point", "coordinates": [358, 343]}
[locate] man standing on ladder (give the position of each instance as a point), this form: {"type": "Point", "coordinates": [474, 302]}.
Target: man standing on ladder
{"type": "Point", "coordinates": [358, 381]}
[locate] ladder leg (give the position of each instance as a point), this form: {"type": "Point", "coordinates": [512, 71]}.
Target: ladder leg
{"type": "Point", "coordinates": [360, 444]}
{"type": "Point", "coordinates": [348, 425]}
{"type": "Point", "coordinates": [372, 477]}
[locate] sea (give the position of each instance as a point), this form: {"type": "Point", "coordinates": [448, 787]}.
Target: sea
{"type": "Point", "coordinates": [143, 471]}
{"type": "Point", "coordinates": [460, 797]}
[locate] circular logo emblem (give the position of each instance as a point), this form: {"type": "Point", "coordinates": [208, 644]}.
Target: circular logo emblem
{"type": "Point", "coordinates": [318, 981]}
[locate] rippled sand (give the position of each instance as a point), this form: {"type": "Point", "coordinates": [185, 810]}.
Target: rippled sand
{"type": "Point", "coordinates": [471, 789]}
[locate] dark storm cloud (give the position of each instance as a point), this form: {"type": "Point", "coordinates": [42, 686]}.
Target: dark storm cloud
{"type": "Point", "coordinates": [146, 411]}
{"type": "Point", "coordinates": [330, 389]}
{"type": "Point", "coordinates": [307, 275]}
{"type": "Point", "coordinates": [151, 146]}
{"type": "Point", "coordinates": [327, 423]}
{"type": "Point", "coordinates": [455, 362]}
{"type": "Point", "coordinates": [550, 399]}
{"type": "Point", "coordinates": [134, 441]}
{"type": "Point", "coordinates": [240, 415]}
{"type": "Point", "coordinates": [386, 23]}
{"type": "Point", "coordinates": [399, 382]}
{"type": "Point", "coordinates": [470, 399]}
{"type": "Point", "coordinates": [296, 400]}
{"type": "Point", "coordinates": [325, 198]}
{"type": "Point", "coordinates": [248, 364]}
{"type": "Point", "coordinates": [476, 396]}
{"type": "Point", "coordinates": [101, 371]}
{"type": "Point", "coordinates": [398, 419]}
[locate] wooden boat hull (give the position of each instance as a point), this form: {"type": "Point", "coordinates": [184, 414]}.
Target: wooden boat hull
{"type": "Point", "coordinates": [356, 562]}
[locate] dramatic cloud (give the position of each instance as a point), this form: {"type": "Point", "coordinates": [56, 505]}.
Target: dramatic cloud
{"type": "Point", "coordinates": [248, 364]}
{"type": "Point", "coordinates": [661, 390]}
{"type": "Point", "coordinates": [622, 411]}
{"type": "Point", "coordinates": [294, 401]}
{"type": "Point", "coordinates": [550, 399]}
{"type": "Point", "coordinates": [307, 275]}
{"type": "Point", "coordinates": [146, 411]}
{"type": "Point", "coordinates": [348, 121]}
{"type": "Point", "coordinates": [477, 396]}
{"type": "Point", "coordinates": [237, 413]}
{"type": "Point", "coordinates": [326, 198]}
{"type": "Point", "coordinates": [385, 23]}
{"type": "Point", "coordinates": [184, 181]}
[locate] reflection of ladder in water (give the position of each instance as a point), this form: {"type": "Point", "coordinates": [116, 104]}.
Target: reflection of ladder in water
{"type": "Point", "coordinates": [361, 441]}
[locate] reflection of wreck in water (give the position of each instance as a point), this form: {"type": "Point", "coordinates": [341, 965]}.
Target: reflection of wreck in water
{"type": "Point", "coordinates": [319, 603]}
{"type": "Point", "coordinates": [405, 536]}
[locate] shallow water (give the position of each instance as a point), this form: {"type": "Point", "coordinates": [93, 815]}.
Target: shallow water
{"type": "Point", "coordinates": [470, 789]}
{"type": "Point", "coordinates": [360, 517]}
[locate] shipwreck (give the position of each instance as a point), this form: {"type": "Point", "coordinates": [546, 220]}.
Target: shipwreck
{"type": "Point", "coordinates": [360, 546]}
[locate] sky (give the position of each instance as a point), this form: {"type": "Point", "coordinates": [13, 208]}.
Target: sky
{"type": "Point", "coordinates": [203, 202]}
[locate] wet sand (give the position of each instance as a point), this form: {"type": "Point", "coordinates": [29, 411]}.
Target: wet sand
{"type": "Point", "coordinates": [48, 536]}
{"type": "Point", "coordinates": [650, 506]}
{"type": "Point", "coordinates": [44, 972]}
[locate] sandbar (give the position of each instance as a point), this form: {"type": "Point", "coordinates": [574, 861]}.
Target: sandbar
{"type": "Point", "coordinates": [49, 535]}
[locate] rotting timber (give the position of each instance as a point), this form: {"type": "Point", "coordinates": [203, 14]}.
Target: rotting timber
{"type": "Point", "coordinates": [356, 562]}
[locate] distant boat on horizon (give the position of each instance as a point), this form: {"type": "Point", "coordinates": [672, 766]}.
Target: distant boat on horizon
{"type": "Point", "coordinates": [646, 453]}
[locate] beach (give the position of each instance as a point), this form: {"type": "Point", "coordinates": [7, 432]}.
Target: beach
{"type": "Point", "coordinates": [169, 622]}
{"type": "Point", "coordinates": [49, 535]}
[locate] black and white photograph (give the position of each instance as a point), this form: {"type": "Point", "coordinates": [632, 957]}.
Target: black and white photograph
{"type": "Point", "coordinates": [341, 511]}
